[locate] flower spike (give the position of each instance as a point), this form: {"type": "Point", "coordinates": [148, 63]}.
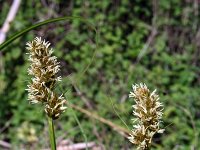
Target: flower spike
{"type": "Point", "coordinates": [148, 110]}
{"type": "Point", "coordinates": [44, 68]}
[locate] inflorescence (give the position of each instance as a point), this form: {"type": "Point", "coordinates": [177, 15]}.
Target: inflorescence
{"type": "Point", "coordinates": [44, 68]}
{"type": "Point", "coordinates": [148, 111]}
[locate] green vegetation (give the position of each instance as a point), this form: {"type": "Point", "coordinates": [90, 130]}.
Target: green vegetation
{"type": "Point", "coordinates": [155, 42]}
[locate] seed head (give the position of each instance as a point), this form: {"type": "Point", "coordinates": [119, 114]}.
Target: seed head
{"type": "Point", "coordinates": [148, 111]}
{"type": "Point", "coordinates": [44, 68]}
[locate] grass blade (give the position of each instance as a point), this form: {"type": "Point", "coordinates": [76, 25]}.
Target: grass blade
{"type": "Point", "coordinates": [17, 35]}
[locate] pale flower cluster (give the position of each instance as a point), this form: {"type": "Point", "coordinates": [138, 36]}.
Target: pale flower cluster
{"type": "Point", "coordinates": [148, 111]}
{"type": "Point", "coordinates": [44, 68]}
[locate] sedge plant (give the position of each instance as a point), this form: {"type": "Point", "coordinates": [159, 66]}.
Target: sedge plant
{"type": "Point", "coordinates": [43, 69]}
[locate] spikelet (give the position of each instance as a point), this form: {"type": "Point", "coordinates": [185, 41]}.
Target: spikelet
{"type": "Point", "coordinates": [44, 68]}
{"type": "Point", "coordinates": [148, 111]}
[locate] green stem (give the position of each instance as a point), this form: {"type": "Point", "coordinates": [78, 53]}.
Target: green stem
{"type": "Point", "coordinates": [51, 133]}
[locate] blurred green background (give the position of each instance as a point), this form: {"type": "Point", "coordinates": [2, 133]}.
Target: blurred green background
{"type": "Point", "coordinates": [155, 42]}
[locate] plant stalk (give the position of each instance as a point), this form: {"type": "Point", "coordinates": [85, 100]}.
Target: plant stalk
{"type": "Point", "coordinates": [51, 133]}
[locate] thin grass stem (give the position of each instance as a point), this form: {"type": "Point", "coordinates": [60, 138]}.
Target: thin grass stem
{"type": "Point", "coordinates": [79, 124]}
{"type": "Point", "coordinates": [51, 133]}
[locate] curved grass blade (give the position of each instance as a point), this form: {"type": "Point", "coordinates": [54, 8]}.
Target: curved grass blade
{"type": "Point", "coordinates": [77, 120]}
{"type": "Point", "coordinates": [17, 35]}
{"type": "Point", "coordinates": [80, 126]}
{"type": "Point", "coordinates": [113, 105]}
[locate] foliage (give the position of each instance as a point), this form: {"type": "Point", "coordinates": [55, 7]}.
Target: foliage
{"type": "Point", "coordinates": [128, 52]}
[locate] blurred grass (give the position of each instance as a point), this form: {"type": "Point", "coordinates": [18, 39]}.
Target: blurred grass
{"type": "Point", "coordinates": [128, 53]}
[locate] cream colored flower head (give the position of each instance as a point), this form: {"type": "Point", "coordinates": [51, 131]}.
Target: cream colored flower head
{"type": "Point", "coordinates": [44, 68]}
{"type": "Point", "coordinates": [148, 111]}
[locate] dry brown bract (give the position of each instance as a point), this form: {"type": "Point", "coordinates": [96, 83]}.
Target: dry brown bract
{"type": "Point", "coordinates": [148, 111]}
{"type": "Point", "coordinates": [44, 68]}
